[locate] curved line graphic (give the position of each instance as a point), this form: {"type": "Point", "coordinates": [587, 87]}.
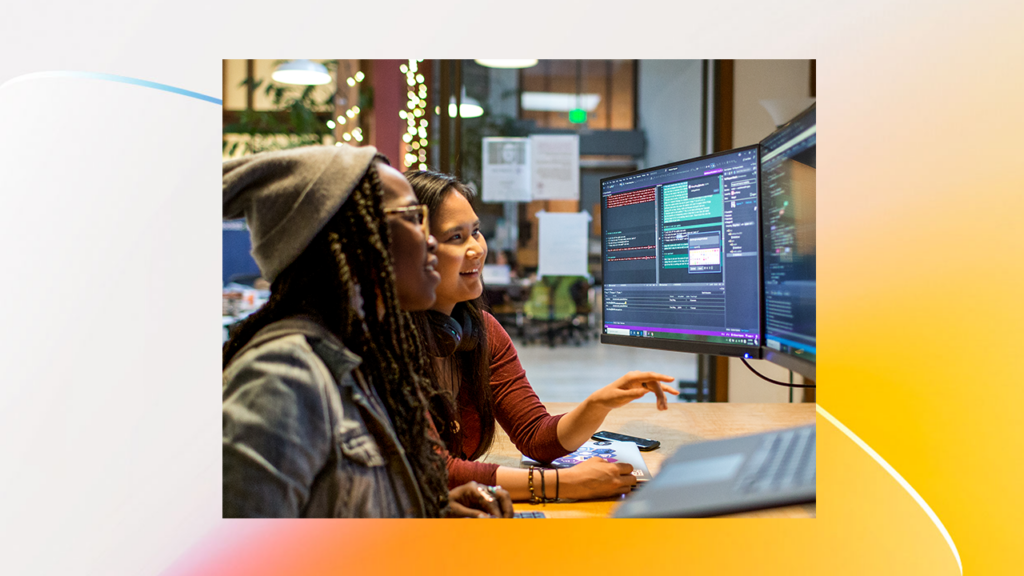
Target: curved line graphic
{"type": "Point", "coordinates": [906, 486]}
{"type": "Point", "coordinates": [113, 78]}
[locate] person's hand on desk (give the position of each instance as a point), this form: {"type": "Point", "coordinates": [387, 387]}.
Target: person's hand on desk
{"type": "Point", "coordinates": [474, 500]}
{"type": "Point", "coordinates": [595, 478]}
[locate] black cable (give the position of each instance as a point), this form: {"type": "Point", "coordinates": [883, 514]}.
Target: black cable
{"type": "Point", "coordinates": [763, 377]}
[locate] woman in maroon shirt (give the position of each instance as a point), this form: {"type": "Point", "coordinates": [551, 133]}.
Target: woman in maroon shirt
{"type": "Point", "coordinates": [482, 372]}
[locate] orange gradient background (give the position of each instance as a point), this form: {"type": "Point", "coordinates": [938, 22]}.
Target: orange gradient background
{"type": "Point", "coordinates": [109, 224]}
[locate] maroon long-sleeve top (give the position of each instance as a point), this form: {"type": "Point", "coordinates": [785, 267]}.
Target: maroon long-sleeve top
{"type": "Point", "coordinates": [517, 409]}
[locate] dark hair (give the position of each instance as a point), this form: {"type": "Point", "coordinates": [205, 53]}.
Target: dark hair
{"type": "Point", "coordinates": [352, 253]}
{"type": "Point", "coordinates": [473, 366]}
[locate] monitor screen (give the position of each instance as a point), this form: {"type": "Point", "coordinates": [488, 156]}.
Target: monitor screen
{"type": "Point", "coordinates": [680, 256]}
{"type": "Point", "coordinates": [237, 264]}
{"type": "Point", "coordinates": [787, 210]}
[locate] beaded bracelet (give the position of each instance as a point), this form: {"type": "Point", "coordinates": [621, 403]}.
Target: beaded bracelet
{"type": "Point", "coordinates": [533, 497]}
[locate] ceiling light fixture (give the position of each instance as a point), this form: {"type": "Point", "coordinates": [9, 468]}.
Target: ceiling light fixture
{"type": "Point", "coordinates": [521, 63]}
{"type": "Point", "coordinates": [559, 101]}
{"type": "Point", "coordinates": [303, 72]}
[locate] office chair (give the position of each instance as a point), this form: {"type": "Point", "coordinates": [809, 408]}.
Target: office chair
{"type": "Point", "coordinates": [552, 310]}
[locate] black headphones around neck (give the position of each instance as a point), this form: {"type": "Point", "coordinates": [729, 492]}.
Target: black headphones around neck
{"type": "Point", "coordinates": [451, 334]}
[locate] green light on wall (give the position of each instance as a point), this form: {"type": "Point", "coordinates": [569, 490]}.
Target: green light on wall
{"type": "Point", "coordinates": [578, 116]}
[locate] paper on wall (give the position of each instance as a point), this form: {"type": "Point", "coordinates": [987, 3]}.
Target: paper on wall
{"type": "Point", "coordinates": [563, 243]}
{"type": "Point", "coordinates": [506, 167]}
{"type": "Point", "coordinates": [555, 167]}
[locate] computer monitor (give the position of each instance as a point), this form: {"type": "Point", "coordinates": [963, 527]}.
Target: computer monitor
{"type": "Point", "coordinates": [680, 256]}
{"type": "Point", "coordinates": [787, 212]}
{"type": "Point", "coordinates": [237, 261]}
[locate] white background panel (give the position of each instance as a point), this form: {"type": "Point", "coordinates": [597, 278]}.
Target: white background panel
{"type": "Point", "coordinates": [109, 405]}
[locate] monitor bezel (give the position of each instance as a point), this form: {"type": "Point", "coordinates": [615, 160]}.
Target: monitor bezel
{"type": "Point", "coordinates": [712, 348]}
{"type": "Point", "coordinates": [788, 361]}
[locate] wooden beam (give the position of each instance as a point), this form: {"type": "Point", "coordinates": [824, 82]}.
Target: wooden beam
{"type": "Point", "coordinates": [704, 65]}
{"type": "Point", "coordinates": [224, 82]}
{"type": "Point", "coordinates": [813, 79]}
{"type": "Point", "coordinates": [723, 73]}
{"type": "Point", "coordinates": [250, 73]}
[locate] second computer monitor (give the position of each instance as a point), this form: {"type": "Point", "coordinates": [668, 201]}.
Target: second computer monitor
{"type": "Point", "coordinates": [788, 194]}
{"type": "Point", "coordinates": [680, 257]}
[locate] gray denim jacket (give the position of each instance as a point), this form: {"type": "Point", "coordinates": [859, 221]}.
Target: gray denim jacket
{"type": "Point", "coordinates": [305, 436]}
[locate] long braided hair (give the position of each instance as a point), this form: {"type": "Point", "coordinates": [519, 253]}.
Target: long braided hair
{"type": "Point", "coordinates": [473, 366]}
{"type": "Point", "coordinates": [349, 259]}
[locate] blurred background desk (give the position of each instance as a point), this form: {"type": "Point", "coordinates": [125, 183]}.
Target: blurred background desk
{"type": "Point", "coordinates": [682, 423]}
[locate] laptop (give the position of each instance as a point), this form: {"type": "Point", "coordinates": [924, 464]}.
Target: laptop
{"type": "Point", "coordinates": [607, 449]}
{"type": "Point", "coordinates": [765, 470]}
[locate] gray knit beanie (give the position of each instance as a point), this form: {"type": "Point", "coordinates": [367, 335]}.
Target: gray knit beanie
{"type": "Point", "coordinates": [288, 196]}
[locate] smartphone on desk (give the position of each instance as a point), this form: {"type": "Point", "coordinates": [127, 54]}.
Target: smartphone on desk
{"type": "Point", "coordinates": [644, 444]}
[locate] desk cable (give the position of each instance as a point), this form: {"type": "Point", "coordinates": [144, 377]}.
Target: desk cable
{"type": "Point", "coordinates": [763, 377]}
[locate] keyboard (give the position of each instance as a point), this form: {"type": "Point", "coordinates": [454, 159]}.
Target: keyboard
{"type": "Point", "coordinates": [783, 460]}
{"type": "Point", "coordinates": [754, 472]}
{"type": "Point", "coordinates": [529, 515]}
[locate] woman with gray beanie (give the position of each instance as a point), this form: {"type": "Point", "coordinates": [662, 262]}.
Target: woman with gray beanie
{"type": "Point", "coordinates": [325, 409]}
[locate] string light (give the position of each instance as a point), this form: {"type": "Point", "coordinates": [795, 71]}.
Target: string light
{"type": "Point", "coordinates": [355, 78]}
{"type": "Point", "coordinates": [356, 133]}
{"type": "Point", "coordinates": [416, 106]}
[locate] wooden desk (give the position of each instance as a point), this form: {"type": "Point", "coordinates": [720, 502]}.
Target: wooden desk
{"type": "Point", "coordinates": [682, 423]}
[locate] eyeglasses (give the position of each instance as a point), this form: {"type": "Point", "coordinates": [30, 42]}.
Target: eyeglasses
{"type": "Point", "coordinates": [418, 214]}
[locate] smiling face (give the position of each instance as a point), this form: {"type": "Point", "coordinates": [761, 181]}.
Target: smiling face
{"type": "Point", "coordinates": [412, 252]}
{"type": "Point", "coordinates": [460, 254]}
